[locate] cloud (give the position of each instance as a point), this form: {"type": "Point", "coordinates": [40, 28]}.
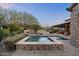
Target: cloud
{"type": "Point", "coordinates": [6, 5]}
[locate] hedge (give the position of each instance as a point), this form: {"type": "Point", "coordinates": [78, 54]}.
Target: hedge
{"type": "Point", "coordinates": [10, 41]}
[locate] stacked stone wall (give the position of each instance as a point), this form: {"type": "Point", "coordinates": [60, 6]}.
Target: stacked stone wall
{"type": "Point", "coordinates": [74, 26]}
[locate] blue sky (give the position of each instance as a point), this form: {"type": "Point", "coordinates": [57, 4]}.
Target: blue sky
{"type": "Point", "coordinates": [48, 14]}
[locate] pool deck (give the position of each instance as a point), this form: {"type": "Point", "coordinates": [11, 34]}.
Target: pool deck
{"type": "Point", "coordinates": [69, 50]}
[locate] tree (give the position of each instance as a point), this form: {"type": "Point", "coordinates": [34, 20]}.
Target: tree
{"type": "Point", "coordinates": [35, 27]}
{"type": "Point", "coordinates": [22, 19]}
{"type": "Point", "coordinates": [15, 28]}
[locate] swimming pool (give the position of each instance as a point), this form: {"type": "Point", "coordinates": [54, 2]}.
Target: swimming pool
{"type": "Point", "coordinates": [44, 38]}
{"type": "Point", "coordinates": [40, 43]}
{"type": "Point", "coordinates": [39, 39]}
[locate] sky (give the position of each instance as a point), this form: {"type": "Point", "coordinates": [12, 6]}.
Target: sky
{"type": "Point", "coordinates": [48, 14]}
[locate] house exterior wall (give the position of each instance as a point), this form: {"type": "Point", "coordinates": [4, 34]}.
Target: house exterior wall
{"type": "Point", "coordinates": [74, 26]}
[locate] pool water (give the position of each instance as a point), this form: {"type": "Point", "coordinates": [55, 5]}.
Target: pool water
{"type": "Point", "coordinates": [44, 38]}
{"type": "Point", "coordinates": [61, 38]}
{"type": "Point", "coordinates": [38, 39]}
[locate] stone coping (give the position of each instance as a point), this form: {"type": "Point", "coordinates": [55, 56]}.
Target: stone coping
{"type": "Point", "coordinates": [22, 42]}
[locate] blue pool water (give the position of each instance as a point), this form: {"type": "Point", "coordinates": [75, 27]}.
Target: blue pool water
{"type": "Point", "coordinates": [44, 38]}
{"type": "Point", "coordinates": [38, 39]}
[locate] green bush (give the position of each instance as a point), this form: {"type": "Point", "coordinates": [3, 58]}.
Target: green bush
{"type": "Point", "coordinates": [54, 31]}
{"type": "Point", "coordinates": [15, 28]}
{"type": "Point", "coordinates": [10, 41]}
{"type": "Point", "coordinates": [6, 32]}
{"type": "Point", "coordinates": [20, 30]}
{"type": "Point", "coordinates": [1, 34]}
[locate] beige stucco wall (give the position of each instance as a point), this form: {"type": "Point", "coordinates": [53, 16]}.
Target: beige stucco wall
{"type": "Point", "coordinates": [74, 27]}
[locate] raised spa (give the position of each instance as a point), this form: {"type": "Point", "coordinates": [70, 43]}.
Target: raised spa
{"type": "Point", "coordinates": [40, 43]}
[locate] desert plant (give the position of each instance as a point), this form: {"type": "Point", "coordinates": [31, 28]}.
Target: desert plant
{"type": "Point", "coordinates": [15, 28]}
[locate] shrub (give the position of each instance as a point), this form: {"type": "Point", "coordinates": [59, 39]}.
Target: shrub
{"type": "Point", "coordinates": [6, 32]}
{"type": "Point", "coordinates": [10, 41]}
{"type": "Point", "coordinates": [12, 27]}
{"type": "Point", "coordinates": [1, 34]}
{"type": "Point", "coordinates": [15, 28]}
{"type": "Point", "coordinates": [54, 31]}
{"type": "Point", "coordinates": [20, 30]}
